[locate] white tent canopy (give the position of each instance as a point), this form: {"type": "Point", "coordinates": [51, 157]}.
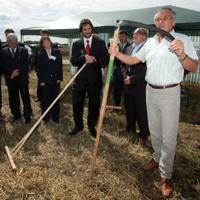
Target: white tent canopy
{"type": "Point", "coordinates": [104, 22]}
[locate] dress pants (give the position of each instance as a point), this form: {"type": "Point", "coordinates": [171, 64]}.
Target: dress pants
{"type": "Point", "coordinates": [163, 108]}
{"type": "Point", "coordinates": [16, 88]}
{"type": "Point", "coordinates": [49, 92]}
{"type": "Point", "coordinates": [135, 106]}
{"type": "Point", "coordinates": [118, 86]}
{"type": "Point", "coordinates": [0, 94]}
{"type": "Point", "coordinates": [78, 95]}
{"type": "Point", "coordinates": [38, 92]}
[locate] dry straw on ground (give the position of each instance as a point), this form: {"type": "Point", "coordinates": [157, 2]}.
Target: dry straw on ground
{"type": "Point", "coordinates": [55, 166]}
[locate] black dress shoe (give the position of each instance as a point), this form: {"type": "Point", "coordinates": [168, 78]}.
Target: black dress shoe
{"type": "Point", "coordinates": [75, 130]}
{"type": "Point", "coordinates": [93, 131]}
{"type": "Point", "coordinates": [15, 119]}
{"type": "Point", "coordinates": [27, 120]}
{"type": "Point", "coordinates": [37, 100]}
{"type": "Point", "coordinates": [56, 121]}
{"type": "Point", "coordinates": [46, 121]}
{"type": "Point", "coordinates": [1, 117]}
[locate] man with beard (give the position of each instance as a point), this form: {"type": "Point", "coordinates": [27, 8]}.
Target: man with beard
{"type": "Point", "coordinates": [91, 50]}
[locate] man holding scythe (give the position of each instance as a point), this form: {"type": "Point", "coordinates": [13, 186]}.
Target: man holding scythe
{"type": "Point", "coordinates": [166, 62]}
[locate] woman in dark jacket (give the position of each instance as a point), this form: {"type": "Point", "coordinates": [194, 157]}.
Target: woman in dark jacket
{"type": "Point", "coordinates": [50, 75]}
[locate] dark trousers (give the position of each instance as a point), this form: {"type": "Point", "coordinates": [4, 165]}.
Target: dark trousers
{"type": "Point", "coordinates": [38, 92]}
{"type": "Point", "coordinates": [48, 93]}
{"type": "Point", "coordinates": [17, 88]}
{"type": "Point", "coordinates": [78, 97]}
{"type": "Point", "coordinates": [135, 106]}
{"type": "Point", "coordinates": [118, 86]}
{"type": "Point", "coordinates": [0, 94]}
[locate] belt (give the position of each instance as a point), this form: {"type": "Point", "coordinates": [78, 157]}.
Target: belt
{"type": "Point", "coordinates": [163, 86]}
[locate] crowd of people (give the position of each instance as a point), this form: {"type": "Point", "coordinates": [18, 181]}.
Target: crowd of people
{"type": "Point", "coordinates": [147, 72]}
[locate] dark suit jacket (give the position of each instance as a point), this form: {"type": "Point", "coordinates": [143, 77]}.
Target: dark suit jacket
{"type": "Point", "coordinates": [117, 62]}
{"type": "Point", "coordinates": [35, 53]}
{"type": "Point", "coordinates": [137, 74]}
{"type": "Point", "coordinates": [49, 70]}
{"type": "Point", "coordinates": [92, 72]}
{"type": "Point", "coordinates": [20, 62]}
{"type": "Point", "coordinates": [0, 58]}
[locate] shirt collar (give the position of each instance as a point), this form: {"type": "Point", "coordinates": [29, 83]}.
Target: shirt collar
{"type": "Point", "coordinates": [138, 45]}
{"type": "Point", "coordinates": [90, 39]}
{"type": "Point", "coordinates": [15, 49]}
{"type": "Point", "coordinates": [172, 32]}
{"type": "Point", "coordinates": [122, 44]}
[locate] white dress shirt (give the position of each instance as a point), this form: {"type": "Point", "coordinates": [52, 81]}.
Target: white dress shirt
{"type": "Point", "coordinates": [136, 48]}
{"type": "Point", "coordinates": [85, 41]}
{"type": "Point", "coordinates": [11, 51]}
{"type": "Point", "coordinates": [163, 66]}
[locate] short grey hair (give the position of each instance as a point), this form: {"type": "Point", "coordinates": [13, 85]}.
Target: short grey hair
{"type": "Point", "coordinates": [12, 37]}
{"type": "Point", "coordinates": [142, 31]}
{"type": "Point", "coordinates": [166, 8]}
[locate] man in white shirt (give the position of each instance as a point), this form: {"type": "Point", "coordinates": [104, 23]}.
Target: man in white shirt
{"type": "Point", "coordinates": [166, 62]}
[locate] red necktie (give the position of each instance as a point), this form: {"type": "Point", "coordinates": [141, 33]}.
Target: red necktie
{"type": "Point", "coordinates": [87, 49]}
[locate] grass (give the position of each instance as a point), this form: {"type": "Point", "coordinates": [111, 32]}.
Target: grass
{"type": "Point", "coordinates": [53, 165]}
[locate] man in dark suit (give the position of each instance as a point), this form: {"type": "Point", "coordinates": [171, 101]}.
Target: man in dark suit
{"type": "Point", "coordinates": [7, 31]}
{"type": "Point", "coordinates": [135, 90]}
{"type": "Point", "coordinates": [91, 50]}
{"type": "Point", "coordinates": [1, 117]}
{"type": "Point", "coordinates": [117, 81]}
{"type": "Point", "coordinates": [15, 64]}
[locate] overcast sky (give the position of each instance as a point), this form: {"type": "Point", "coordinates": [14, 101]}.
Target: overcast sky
{"type": "Point", "coordinates": [19, 14]}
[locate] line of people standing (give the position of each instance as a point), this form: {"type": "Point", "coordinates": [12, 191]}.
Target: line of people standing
{"type": "Point", "coordinates": [93, 51]}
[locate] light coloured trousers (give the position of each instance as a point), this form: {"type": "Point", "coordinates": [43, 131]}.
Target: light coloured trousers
{"type": "Point", "coordinates": [163, 108]}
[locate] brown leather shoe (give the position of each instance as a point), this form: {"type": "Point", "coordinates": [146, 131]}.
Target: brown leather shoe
{"type": "Point", "coordinates": [166, 187]}
{"type": "Point", "coordinates": [152, 164]}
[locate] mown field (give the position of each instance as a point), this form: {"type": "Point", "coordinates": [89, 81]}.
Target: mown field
{"type": "Point", "coordinates": [53, 165]}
